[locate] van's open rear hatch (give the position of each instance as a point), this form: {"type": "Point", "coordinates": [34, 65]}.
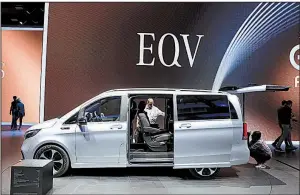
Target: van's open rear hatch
{"type": "Point", "coordinates": [250, 89]}
{"type": "Point", "coordinates": [255, 88]}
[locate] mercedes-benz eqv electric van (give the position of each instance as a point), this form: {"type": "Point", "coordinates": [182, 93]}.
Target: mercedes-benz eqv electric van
{"type": "Point", "coordinates": [200, 131]}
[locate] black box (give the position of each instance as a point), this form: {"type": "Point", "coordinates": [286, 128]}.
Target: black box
{"type": "Point", "coordinates": [31, 176]}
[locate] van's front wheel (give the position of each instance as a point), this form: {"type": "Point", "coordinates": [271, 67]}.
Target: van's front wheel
{"type": "Point", "coordinates": [59, 157]}
{"type": "Point", "coordinates": [204, 173]}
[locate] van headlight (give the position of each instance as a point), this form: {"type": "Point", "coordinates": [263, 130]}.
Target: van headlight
{"type": "Point", "coordinates": [31, 133]}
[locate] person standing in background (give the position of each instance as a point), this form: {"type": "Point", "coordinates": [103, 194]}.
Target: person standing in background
{"type": "Point", "coordinates": [283, 104]}
{"type": "Point", "coordinates": [286, 115]}
{"type": "Point", "coordinates": [21, 112]}
{"type": "Point", "coordinates": [14, 113]}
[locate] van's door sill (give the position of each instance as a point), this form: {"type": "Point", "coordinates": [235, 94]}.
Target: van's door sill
{"type": "Point", "coordinates": [151, 157]}
{"type": "Point", "coordinates": [150, 165]}
{"type": "Point", "coordinates": [151, 160]}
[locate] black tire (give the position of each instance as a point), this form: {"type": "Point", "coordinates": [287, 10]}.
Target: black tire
{"type": "Point", "coordinates": [64, 156]}
{"type": "Point", "coordinates": [194, 173]}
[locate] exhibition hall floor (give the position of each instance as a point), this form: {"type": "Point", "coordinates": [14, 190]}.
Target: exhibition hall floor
{"type": "Point", "coordinates": [282, 177]}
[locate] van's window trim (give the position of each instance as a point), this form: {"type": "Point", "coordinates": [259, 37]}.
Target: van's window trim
{"type": "Point", "coordinates": [99, 100]}
{"type": "Point", "coordinates": [66, 121]}
{"type": "Point", "coordinates": [134, 95]}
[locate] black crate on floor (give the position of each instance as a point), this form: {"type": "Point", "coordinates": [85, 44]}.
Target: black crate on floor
{"type": "Point", "coordinates": [31, 176]}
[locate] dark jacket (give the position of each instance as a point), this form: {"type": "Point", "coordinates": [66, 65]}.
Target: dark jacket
{"type": "Point", "coordinates": [284, 115]}
{"type": "Point", "coordinates": [13, 108]}
{"type": "Point", "coordinates": [21, 109]}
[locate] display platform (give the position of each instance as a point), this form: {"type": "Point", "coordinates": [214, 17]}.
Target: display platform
{"type": "Point", "coordinates": [282, 177]}
{"type": "Point", "coordinates": [244, 179]}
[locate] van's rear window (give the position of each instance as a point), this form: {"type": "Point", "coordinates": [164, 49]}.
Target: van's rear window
{"type": "Point", "coordinates": [202, 107]}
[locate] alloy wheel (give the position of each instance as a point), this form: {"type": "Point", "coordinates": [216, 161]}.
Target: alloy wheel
{"type": "Point", "coordinates": [206, 172]}
{"type": "Point", "coordinates": [55, 156]}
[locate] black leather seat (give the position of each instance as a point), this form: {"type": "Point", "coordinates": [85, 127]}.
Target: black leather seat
{"type": "Point", "coordinates": [156, 139]}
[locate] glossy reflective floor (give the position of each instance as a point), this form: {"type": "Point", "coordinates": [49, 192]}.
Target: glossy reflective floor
{"type": "Point", "coordinates": [282, 177]}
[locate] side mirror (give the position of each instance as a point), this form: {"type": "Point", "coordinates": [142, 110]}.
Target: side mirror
{"type": "Point", "coordinates": [82, 121]}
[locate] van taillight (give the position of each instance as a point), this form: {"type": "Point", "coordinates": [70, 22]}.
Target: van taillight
{"type": "Point", "coordinates": [245, 131]}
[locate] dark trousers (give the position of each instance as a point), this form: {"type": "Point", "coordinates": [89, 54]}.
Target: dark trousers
{"type": "Point", "coordinates": [286, 135]}
{"type": "Point", "coordinates": [286, 141]}
{"type": "Point", "coordinates": [260, 157]}
{"type": "Point", "coordinates": [14, 121]}
{"type": "Point", "coordinates": [20, 121]}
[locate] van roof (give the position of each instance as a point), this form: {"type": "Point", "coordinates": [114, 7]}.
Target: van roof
{"type": "Point", "coordinates": [153, 90]}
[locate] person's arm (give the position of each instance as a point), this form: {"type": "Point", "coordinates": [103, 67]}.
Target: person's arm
{"type": "Point", "coordinates": [137, 121]}
{"type": "Point", "coordinates": [11, 108]}
{"type": "Point", "coordinates": [159, 112]}
{"type": "Point", "coordinates": [294, 118]}
{"type": "Point", "coordinates": [248, 138]}
{"type": "Point", "coordinates": [251, 144]}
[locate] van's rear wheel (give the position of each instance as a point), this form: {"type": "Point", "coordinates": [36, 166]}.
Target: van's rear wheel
{"type": "Point", "coordinates": [59, 157]}
{"type": "Point", "coordinates": [204, 173]}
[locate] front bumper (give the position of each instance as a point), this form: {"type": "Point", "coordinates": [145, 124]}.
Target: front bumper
{"type": "Point", "coordinates": [28, 148]}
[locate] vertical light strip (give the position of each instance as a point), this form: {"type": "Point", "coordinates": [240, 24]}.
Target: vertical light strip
{"type": "Point", "coordinates": [43, 69]}
{"type": "Point", "coordinates": [1, 85]}
{"type": "Point", "coordinates": [1, 101]}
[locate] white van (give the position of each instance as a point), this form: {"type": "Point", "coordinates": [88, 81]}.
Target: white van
{"type": "Point", "coordinates": [201, 131]}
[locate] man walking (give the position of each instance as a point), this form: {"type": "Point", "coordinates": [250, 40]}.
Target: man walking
{"type": "Point", "coordinates": [14, 113]}
{"type": "Point", "coordinates": [283, 104]}
{"type": "Point", "coordinates": [21, 112]}
{"type": "Point", "coordinates": [285, 115]}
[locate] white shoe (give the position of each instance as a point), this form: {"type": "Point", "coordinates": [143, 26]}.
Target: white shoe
{"type": "Point", "coordinates": [261, 166]}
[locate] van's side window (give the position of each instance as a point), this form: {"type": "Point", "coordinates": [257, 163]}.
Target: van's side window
{"type": "Point", "coordinates": [104, 110]}
{"type": "Point", "coordinates": [233, 111]}
{"type": "Point", "coordinates": [202, 107]}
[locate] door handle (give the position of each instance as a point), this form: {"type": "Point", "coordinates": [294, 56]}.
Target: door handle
{"type": "Point", "coordinates": [186, 125]}
{"type": "Point", "coordinates": [65, 128]}
{"type": "Point", "coordinates": [116, 127]}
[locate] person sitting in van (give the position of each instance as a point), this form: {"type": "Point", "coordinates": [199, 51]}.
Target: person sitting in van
{"type": "Point", "coordinates": [153, 113]}
{"type": "Point", "coordinates": [259, 150]}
